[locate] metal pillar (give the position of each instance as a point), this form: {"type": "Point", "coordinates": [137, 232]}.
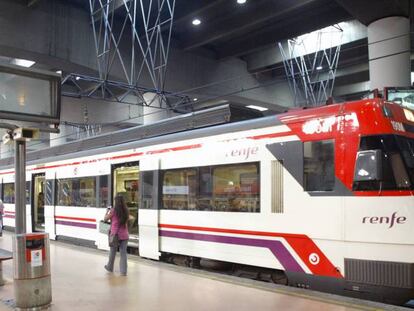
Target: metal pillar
{"type": "Point", "coordinates": [20, 185]}
{"type": "Point", "coordinates": [146, 30]}
{"type": "Point", "coordinates": [311, 76]}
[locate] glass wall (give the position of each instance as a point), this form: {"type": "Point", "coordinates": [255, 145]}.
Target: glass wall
{"type": "Point", "coordinates": [224, 188]}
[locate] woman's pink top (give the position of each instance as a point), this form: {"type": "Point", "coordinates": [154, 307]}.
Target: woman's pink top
{"type": "Point", "coordinates": [116, 228]}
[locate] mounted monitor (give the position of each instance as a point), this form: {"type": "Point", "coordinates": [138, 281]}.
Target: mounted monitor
{"type": "Point", "coordinates": [29, 95]}
{"type": "Point", "coordinates": [403, 96]}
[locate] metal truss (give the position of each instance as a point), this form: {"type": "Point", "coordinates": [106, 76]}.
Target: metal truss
{"type": "Point", "coordinates": [74, 85]}
{"type": "Point", "coordinates": [143, 28]}
{"type": "Point", "coordinates": [311, 76]}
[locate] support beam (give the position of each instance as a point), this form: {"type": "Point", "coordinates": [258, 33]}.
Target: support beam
{"type": "Point", "coordinates": [367, 11]}
{"type": "Point", "coordinates": [354, 35]}
{"type": "Point", "coordinates": [31, 3]}
{"type": "Point", "coordinates": [114, 5]}
{"type": "Point", "coordinates": [298, 24]}
{"type": "Point", "coordinates": [244, 22]}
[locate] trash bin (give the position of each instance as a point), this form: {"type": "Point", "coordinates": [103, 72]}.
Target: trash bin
{"type": "Point", "coordinates": [32, 280]}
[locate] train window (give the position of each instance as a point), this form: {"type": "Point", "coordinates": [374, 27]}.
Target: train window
{"type": "Point", "coordinates": [27, 192]}
{"type": "Point", "coordinates": [225, 188]}
{"type": "Point", "coordinates": [179, 189]}
{"type": "Point", "coordinates": [49, 192]}
{"type": "Point", "coordinates": [77, 192]}
{"type": "Point", "coordinates": [396, 163]}
{"type": "Point", "coordinates": [318, 166]}
{"type": "Point", "coordinates": [8, 193]}
{"type": "Point", "coordinates": [103, 197]}
{"type": "Point", "coordinates": [147, 186]}
{"type": "Point", "coordinates": [236, 187]}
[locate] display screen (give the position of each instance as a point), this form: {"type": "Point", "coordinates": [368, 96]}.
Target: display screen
{"type": "Point", "coordinates": [403, 97]}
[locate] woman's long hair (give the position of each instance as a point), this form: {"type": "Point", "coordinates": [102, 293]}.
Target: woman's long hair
{"type": "Point", "coordinates": [121, 210]}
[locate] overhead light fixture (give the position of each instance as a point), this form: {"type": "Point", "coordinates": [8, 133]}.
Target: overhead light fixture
{"type": "Point", "coordinates": [22, 62]}
{"type": "Point", "coordinates": [77, 78]}
{"type": "Point", "coordinates": [22, 100]}
{"type": "Point", "coordinates": [59, 72]}
{"type": "Point", "coordinates": [257, 108]}
{"type": "Point", "coordinates": [195, 99]}
{"type": "Point", "coordinates": [241, 1]}
{"type": "Point", "coordinates": [319, 68]}
{"type": "Point", "coordinates": [196, 22]}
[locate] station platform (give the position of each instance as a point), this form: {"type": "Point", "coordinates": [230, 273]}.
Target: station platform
{"type": "Point", "coordinates": [80, 282]}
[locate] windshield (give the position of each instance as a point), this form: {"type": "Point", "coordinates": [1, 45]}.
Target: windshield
{"type": "Point", "coordinates": [397, 163]}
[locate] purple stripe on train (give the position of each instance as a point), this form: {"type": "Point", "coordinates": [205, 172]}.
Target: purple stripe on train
{"type": "Point", "coordinates": [276, 247]}
{"type": "Point", "coordinates": [76, 224]}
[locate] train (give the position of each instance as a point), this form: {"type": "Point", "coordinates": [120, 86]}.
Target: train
{"type": "Point", "coordinates": [321, 196]}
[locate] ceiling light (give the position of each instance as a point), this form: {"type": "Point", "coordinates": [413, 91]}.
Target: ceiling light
{"type": "Point", "coordinates": [59, 72]}
{"type": "Point", "coordinates": [77, 78]}
{"type": "Point", "coordinates": [195, 99]}
{"type": "Point", "coordinates": [196, 22]}
{"type": "Point", "coordinates": [241, 1]}
{"type": "Point", "coordinates": [319, 68]}
{"type": "Point", "coordinates": [257, 108]}
{"type": "Point", "coordinates": [23, 62]}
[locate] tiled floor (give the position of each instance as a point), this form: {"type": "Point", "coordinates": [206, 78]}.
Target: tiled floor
{"type": "Point", "coordinates": [80, 282]}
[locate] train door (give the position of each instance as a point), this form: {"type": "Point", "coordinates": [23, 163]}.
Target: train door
{"type": "Point", "coordinates": [149, 212]}
{"type": "Point", "coordinates": [125, 182]}
{"type": "Point", "coordinates": [38, 202]}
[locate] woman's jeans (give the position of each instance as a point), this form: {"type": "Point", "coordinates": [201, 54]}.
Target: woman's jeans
{"type": "Point", "coordinates": [123, 261]}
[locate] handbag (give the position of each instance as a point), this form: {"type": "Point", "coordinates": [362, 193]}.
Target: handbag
{"type": "Point", "coordinates": [104, 227]}
{"type": "Point", "coordinates": [113, 240]}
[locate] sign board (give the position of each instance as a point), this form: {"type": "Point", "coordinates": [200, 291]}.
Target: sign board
{"type": "Point", "coordinates": [28, 94]}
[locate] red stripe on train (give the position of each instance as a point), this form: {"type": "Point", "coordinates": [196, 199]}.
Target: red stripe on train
{"type": "Point", "coordinates": [272, 135]}
{"type": "Point", "coordinates": [305, 248]}
{"type": "Point", "coordinates": [75, 218]}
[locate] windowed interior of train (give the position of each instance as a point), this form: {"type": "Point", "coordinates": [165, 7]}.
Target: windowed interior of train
{"type": "Point", "coordinates": [38, 202]}
{"type": "Point", "coordinates": [318, 165]}
{"type": "Point", "coordinates": [77, 192]}
{"type": "Point", "coordinates": [126, 183]}
{"type": "Point", "coordinates": [222, 188]}
{"type": "Point", "coordinates": [394, 163]}
{"type": "Point", "coordinates": [8, 193]}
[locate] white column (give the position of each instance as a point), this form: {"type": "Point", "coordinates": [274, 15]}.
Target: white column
{"type": "Point", "coordinates": [151, 113]}
{"type": "Point", "coordinates": [389, 52]}
{"type": "Point", "coordinates": [6, 151]}
{"type": "Point", "coordinates": [61, 138]}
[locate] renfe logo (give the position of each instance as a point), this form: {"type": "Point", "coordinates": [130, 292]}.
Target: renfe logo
{"type": "Point", "coordinates": [243, 152]}
{"type": "Point", "coordinates": [375, 220]}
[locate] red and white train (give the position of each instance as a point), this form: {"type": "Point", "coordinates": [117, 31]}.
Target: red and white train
{"type": "Point", "coordinates": [323, 194]}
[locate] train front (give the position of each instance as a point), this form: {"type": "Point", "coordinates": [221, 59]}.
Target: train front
{"type": "Point", "coordinates": [378, 166]}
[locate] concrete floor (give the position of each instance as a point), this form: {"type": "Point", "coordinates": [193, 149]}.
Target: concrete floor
{"type": "Point", "coordinates": [79, 282]}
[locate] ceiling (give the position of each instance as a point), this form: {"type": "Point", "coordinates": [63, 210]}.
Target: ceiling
{"type": "Point", "coordinates": [230, 29]}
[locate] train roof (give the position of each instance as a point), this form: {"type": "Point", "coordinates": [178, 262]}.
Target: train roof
{"type": "Point", "coordinates": [213, 121]}
{"type": "Point", "coordinates": [192, 125]}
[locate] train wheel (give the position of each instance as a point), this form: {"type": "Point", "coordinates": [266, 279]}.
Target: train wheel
{"type": "Point", "coordinates": [279, 277]}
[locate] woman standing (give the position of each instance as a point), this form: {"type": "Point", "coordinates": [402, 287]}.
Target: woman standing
{"type": "Point", "coordinates": [119, 225]}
